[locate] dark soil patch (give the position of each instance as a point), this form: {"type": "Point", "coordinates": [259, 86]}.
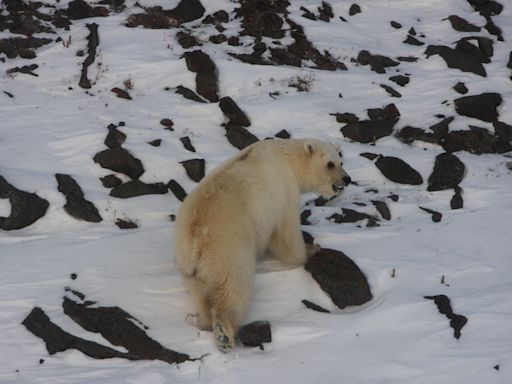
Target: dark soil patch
{"type": "Point", "coordinates": [447, 174]}
{"type": "Point", "coordinates": [135, 188]}
{"type": "Point", "coordinates": [195, 168]}
{"type": "Point", "coordinates": [398, 171]}
{"type": "Point", "coordinates": [314, 307]}
{"type": "Point", "coordinates": [233, 112]}
{"type": "Point", "coordinates": [481, 106]}
{"type": "Point", "coordinates": [339, 277]}
{"type": "Point", "coordinates": [120, 160]}
{"type": "Point", "coordinates": [457, 322]}
{"type": "Point", "coordinates": [93, 41]}
{"type": "Point", "coordinates": [26, 208]}
{"type": "Point", "coordinates": [177, 190]}
{"type": "Point", "coordinates": [255, 334]}
{"type": "Point", "coordinates": [436, 216]}
{"type": "Point", "coordinates": [76, 204]}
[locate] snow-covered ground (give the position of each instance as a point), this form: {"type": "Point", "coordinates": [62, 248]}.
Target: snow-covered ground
{"type": "Point", "coordinates": [51, 125]}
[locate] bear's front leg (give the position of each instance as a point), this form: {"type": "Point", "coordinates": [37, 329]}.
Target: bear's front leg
{"type": "Point", "coordinates": [287, 243]}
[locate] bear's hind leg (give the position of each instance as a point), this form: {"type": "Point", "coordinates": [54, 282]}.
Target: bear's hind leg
{"type": "Point", "coordinates": [229, 309]}
{"type": "Point", "coordinates": [202, 319]}
{"type": "Point", "coordinates": [287, 243]}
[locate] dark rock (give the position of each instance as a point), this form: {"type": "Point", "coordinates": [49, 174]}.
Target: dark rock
{"type": "Point", "coordinates": [314, 307]}
{"type": "Point", "coordinates": [26, 69]}
{"type": "Point", "coordinates": [391, 90]}
{"type": "Point", "coordinates": [195, 168]}
{"type": "Point", "coordinates": [121, 93]}
{"type": "Point", "coordinates": [394, 197]}
{"type": "Point", "coordinates": [92, 44]}
{"type": "Point", "coordinates": [346, 118]}
{"type": "Point", "coordinates": [167, 123]}
{"type": "Point", "coordinates": [445, 308]}
{"type": "Point", "coordinates": [503, 131]}
{"type": "Point", "coordinates": [389, 112]}
{"type": "Point", "coordinates": [354, 9]}
{"type": "Point", "coordinates": [377, 63]}
{"type": "Point", "coordinates": [369, 131]}
{"type": "Point", "coordinates": [255, 334]}
{"type": "Point", "coordinates": [155, 143]}
{"type": "Point", "coordinates": [157, 18]}
{"type": "Point", "coordinates": [462, 25]}
{"type": "Point", "coordinates": [440, 129]}
{"type": "Point", "coordinates": [476, 140]}
{"type": "Point", "coordinates": [383, 209]}
{"type": "Point", "coordinates": [447, 174]}
{"type": "Point", "coordinates": [26, 208]}
{"type": "Point", "coordinates": [22, 47]}
{"type": "Point", "coordinates": [461, 88]}
{"type": "Point", "coordinates": [483, 52]}
{"type": "Point", "coordinates": [120, 160]}
{"type": "Point", "coordinates": [135, 188]}
{"type": "Point", "coordinates": [58, 340]}
{"type": "Point", "coordinates": [283, 134]}
{"type": "Point", "coordinates": [395, 24]}
{"type": "Point", "coordinates": [111, 181]}
{"type": "Point", "coordinates": [398, 170]}
{"type": "Point", "coordinates": [436, 216]}
{"type": "Point", "coordinates": [234, 41]}
{"type": "Point", "coordinates": [308, 14]}
{"type": "Point", "coordinates": [308, 239]}
{"type": "Point", "coordinates": [305, 214]}
{"type": "Point", "coordinates": [481, 106]}
{"type": "Point", "coordinates": [76, 205]}
{"type": "Point", "coordinates": [369, 156]}
{"type": "Point", "coordinates": [400, 80]}
{"type": "Point", "coordinates": [177, 190]}
{"type": "Point", "coordinates": [351, 216]}
{"type": "Point", "coordinates": [186, 40]}
{"type": "Point", "coordinates": [410, 134]}
{"type": "Point", "coordinates": [119, 328]}
{"type": "Point", "coordinates": [458, 59]}
{"type": "Point", "coordinates": [339, 277]}
{"type": "Point", "coordinates": [126, 224]}
{"type": "Point", "coordinates": [218, 39]}
{"type": "Point", "coordinates": [216, 18]}
{"type": "Point", "coordinates": [206, 74]}
{"type": "Point", "coordinates": [263, 18]}
{"type": "Point", "coordinates": [407, 59]}
{"type": "Point", "coordinates": [238, 136]}
{"type": "Point", "coordinates": [114, 137]}
{"type": "Point", "coordinates": [457, 202]}
{"type": "Point", "coordinates": [412, 31]}
{"type": "Point", "coordinates": [79, 9]}
{"type": "Point", "coordinates": [325, 12]}
{"type": "Point", "coordinates": [413, 41]}
{"type": "Point", "coordinates": [233, 112]}
{"type": "Point", "coordinates": [187, 144]}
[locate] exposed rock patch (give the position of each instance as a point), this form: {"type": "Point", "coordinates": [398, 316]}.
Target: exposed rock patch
{"type": "Point", "coordinates": [120, 160]}
{"type": "Point", "coordinates": [481, 106]}
{"type": "Point", "coordinates": [339, 277]}
{"type": "Point", "coordinates": [398, 171]}
{"type": "Point", "coordinates": [255, 334]}
{"type": "Point", "coordinates": [206, 74]}
{"type": "Point", "coordinates": [457, 322]}
{"type": "Point", "coordinates": [238, 136]}
{"type": "Point", "coordinates": [26, 208]}
{"type": "Point", "coordinates": [76, 204]}
{"type": "Point", "coordinates": [92, 44]}
{"type": "Point", "coordinates": [447, 174]}
{"type": "Point", "coordinates": [134, 188]}
{"type": "Point", "coordinates": [195, 168]}
{"type": "Point", "coordinates": [377, 63]}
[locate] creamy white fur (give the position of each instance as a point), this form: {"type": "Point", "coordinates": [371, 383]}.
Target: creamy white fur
{"type": "Point", "coordinates": [248, 205]}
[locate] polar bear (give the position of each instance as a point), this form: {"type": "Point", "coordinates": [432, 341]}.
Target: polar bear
{"type": "Point", "coordinates": [245, 207]}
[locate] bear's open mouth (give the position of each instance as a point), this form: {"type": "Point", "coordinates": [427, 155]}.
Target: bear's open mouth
{"type": "Point", "coordinates": [337, 188]}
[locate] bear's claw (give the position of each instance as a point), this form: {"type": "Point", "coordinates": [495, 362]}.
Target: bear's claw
{"type": "Point", "coordinates": [223, 341]}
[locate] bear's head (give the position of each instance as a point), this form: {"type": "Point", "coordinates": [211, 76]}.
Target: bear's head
{"type": "Point", "coordinates": [326, 174]}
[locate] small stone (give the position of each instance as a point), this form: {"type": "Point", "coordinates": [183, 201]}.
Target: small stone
{"type": "Point", "coordinates": [238, 136]}
{"type": "Point", "coordinates": [177, 190]}
{"type": "Point", "coordinates": [126, 224]}
{"type": "Point", "coordinates": [134, 188]}
{"type": "Point", "coordinates": [111, 181]}
{"type": "Point", "coordinates": [314, 307]}
{"type": "Point", "coordinates": [398, 171]}
{"type": "Point", "coordinates": [187, 143]}
{"type": "Point", "coordinates": [255, 334]}
{"type": "Point", "coordinates": [448, 172]}
{"type": "Point", "coordinates": [233, 112]}
{"type": "Point", "coordinates": [395, 24]}
{"type": "Point", "coordinates": [283, 134]}
{"type": "Point", "coordinates": [461, 88]}
{"type": "Point", "coordinates": [400, 80]}
{"type": "Point", "coordinates": [354, 9]}
{"type": "Point", "coordinates": [436, 216]}
{"type": "Point", "coordinates": [121, 93]}
{"type": "Point", "coordinates": [167, 123]}
{"type": "Point", "coordinates": [195, 168]}
{"type": "Point", "coordinates": [155, 143]}
{"type": "Point", "coordinates": [481, 106]}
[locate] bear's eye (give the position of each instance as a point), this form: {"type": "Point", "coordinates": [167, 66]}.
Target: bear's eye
{"type": "Point", "coordinates": [330, 165]}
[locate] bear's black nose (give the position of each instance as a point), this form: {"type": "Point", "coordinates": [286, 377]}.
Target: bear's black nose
{"type": "Point", "coordinates": [347, 180]}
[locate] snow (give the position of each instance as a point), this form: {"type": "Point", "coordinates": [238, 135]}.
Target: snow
{"type": "Point", "coordinates": [53, 126]}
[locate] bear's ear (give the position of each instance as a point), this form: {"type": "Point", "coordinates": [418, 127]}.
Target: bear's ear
{"type": "Point", "coordinates": [309, 147]}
